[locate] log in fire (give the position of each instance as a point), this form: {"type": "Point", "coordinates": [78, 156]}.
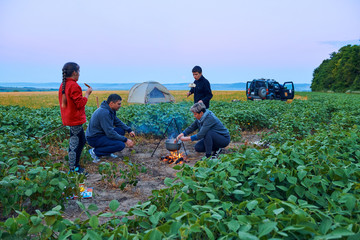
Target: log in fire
{"type": "Point", "coordinates": [175, 157]}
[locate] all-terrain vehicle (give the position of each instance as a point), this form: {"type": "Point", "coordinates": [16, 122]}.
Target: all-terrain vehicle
{"type": "Point", "coordinates": [261, 89]}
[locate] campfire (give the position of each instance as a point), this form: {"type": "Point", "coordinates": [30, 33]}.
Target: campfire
{"type": "Point", "coordinates": [175, 157]}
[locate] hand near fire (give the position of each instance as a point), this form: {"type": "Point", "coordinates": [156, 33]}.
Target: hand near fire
{"type": "Point", "coordinates": [178, 137]}
{"type": "Point", "coordinates": [129, 143]}
{"type": "Point", "coordinates": [182, 138]}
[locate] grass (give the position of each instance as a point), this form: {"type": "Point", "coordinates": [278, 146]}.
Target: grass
{"type": "Point", "coordinates": [50, 99]}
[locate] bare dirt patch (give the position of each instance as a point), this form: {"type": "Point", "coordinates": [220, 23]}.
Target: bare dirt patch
{"type": "Point", "coordinates": [152, 179]}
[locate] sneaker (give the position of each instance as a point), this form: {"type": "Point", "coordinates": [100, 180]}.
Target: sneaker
{"type": "Point", "coordinates": [114, 155]}
{"type": "Point", "coordinates": [78, 170]}
{"type": "Point", "coordinates": [95, 158]}
{"type": "Point", "coordinates": [81, 170]}
{"type": "Point", "coordinates": [217, 152]}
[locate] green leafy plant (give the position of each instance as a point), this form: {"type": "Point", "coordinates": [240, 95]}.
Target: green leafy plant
{"type": "Point", "coordinates": [304, 185]}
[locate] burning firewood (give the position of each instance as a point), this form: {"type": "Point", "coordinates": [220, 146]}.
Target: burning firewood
{"type": "Point", "coordinates": [179, 161]}
{"type": "Point", "coordinates": [174, 157]}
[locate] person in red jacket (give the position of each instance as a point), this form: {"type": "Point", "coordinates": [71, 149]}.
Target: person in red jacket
{"type": "Point", "coordinates": [72, 108]}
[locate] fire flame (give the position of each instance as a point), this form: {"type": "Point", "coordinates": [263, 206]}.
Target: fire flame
{"type": "Point", "coordinates": [174, 157]}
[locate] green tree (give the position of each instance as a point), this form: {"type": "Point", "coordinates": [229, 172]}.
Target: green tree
{"type": "Point", "coordinates": [339, 73]}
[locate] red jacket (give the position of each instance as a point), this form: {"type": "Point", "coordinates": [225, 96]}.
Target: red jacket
{"type": "Point", "coordinates": [74, 112]}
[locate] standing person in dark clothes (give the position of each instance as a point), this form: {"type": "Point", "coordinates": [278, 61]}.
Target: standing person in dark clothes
{"type": "Point", "coordinates": [106, 131]}
{"type": "Point", "coordinates": [201, 90]}
{"type": "Point", "coordinates": [72, 108]}
{"type": "Point", "coordinates": [212, 134]}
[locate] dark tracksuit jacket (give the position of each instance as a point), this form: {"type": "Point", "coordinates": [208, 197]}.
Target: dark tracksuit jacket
{"type": "Point", "coordinates": [103, 121]}
{"type": "Point", "coordinates": [202, 91]}
{"type": "Point", "coordinates": [207, 122]}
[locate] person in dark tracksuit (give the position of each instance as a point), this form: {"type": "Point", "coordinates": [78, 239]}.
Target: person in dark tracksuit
{"type": "Point", "coordinates": [212, 134]}
{"type": "Point", "coordinates": [201, 87]}
{"type": "Point", "coordinates": [106, 131]}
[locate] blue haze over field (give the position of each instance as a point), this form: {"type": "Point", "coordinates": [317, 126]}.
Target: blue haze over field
{"type": "Point", "coordinates": [123, 42]}
{"type": "Point", "coordinates": [23, 86]}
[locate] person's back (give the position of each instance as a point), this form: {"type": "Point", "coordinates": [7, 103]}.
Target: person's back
{"type": "Point", "coordinates": [212, 121]}
{"type": "Point", "coordinates": [95, 126]}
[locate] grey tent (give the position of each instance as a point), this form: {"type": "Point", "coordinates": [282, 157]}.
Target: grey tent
{"type": "Point", "coordinates": [149, 93]}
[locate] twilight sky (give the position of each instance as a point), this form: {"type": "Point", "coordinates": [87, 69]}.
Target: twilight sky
{"type": "Point", "coordinates": [116, 41]}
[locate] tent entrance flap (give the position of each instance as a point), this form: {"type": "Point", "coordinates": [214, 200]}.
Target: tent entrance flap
{"type": "Point", "coordinates": [156, 93]}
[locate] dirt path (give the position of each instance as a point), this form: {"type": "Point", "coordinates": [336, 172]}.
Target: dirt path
{"type": "Point", "coordinates": [152, 179]}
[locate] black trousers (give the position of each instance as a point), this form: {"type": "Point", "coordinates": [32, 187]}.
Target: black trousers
{"type": "Point", "coordinates": [104, 146]}
{"type": "Point", "coordinates": [76, 144]}
{"type": "Point", "coordinates": [212, 142]}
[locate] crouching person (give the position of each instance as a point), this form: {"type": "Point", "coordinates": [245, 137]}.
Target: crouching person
{"type": "Point", "coordinates": [106, 132]}
{"type": "Point", "coordinates": [212, 133]}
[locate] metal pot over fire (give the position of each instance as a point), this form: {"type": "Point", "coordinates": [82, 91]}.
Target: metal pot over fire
{"type": "Point", "coordinates": [171, 145]}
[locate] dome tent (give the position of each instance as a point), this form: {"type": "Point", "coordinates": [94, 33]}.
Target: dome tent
{"type": "Point", "coordinates": [149, 93]}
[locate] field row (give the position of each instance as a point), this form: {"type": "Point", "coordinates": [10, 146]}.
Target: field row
{"type": "Point", "coordinates": [50, 99]}
{"type": "Point", "coordinates": [304, 185]}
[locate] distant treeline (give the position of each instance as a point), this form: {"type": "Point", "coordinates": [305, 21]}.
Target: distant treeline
{"type": "Point", "coordinates": [340, 73]}
{"type": "Point", "coordinates": [25, 89]}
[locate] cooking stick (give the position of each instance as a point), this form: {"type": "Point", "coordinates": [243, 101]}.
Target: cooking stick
{"type": "Point", "coordinates": [97, 99]}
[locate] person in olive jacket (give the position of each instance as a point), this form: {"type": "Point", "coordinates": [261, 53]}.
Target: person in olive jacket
{"type": "Point", "coordinates": [200, 88]}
